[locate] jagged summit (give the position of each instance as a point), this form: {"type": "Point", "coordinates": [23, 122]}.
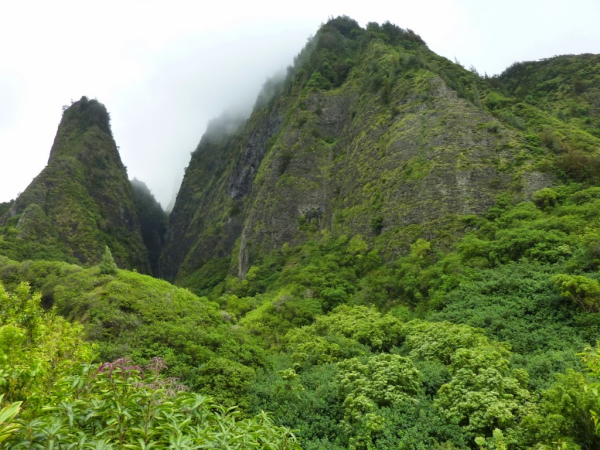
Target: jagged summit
{"type": "Point", "coordinates": [81, 202]}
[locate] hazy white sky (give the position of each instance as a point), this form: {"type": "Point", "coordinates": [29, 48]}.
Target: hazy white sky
{"type": "Point", "coordinates": [163, 69]}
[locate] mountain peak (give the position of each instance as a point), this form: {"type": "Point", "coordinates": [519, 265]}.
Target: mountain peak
{"type": "Point", "coordinates": [87, 113]}
{"type": "Point", "coordinates": [82, 200]}
{"type": "Point", "coordinates": [372, 133]}
{"type": "Point", "coordinates": [79, 118]}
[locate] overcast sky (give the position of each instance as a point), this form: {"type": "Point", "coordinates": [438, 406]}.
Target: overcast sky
{"type": "Point", "coordinates": [164, 69]}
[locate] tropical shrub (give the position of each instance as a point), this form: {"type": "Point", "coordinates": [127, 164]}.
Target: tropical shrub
{"type": "Point", "coordinates": [121, 405]}
{"type": "Point", "coordinates": [36, 348]}
{"type": "Point", "coordinates": [583, 291]}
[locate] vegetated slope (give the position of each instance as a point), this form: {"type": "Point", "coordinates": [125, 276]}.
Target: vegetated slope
{"type": "Point", "coordinates": [81, 202]}
{"type": "Point", "coordinates": [5, 206]}
{"type": "Point", "coordinates": [568, 86]}
{"type": "Point", "coordinates": [153, 221]}
{"type": "Point", "coordinates": [369, 133]}
{"type": "Point", "coordinates": [136, 316]}
{"type": "Point", "coordinates": [52, 397]}
{"type": "Point", "coordinates": [494, 329]}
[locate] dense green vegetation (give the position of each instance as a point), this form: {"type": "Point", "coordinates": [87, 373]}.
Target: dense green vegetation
{"type": "Point", "coordinates": [432, 351]}
{"type": "Point", "coordinates": [65, 402]}
{"type": "Point", "coordinates": [566, 86]}
{"type": "Point", "coordinates": [129, 314]}
{"type": "Point", "coordinates": [490, 333]}
{"type": "Point", "coordinates": [391, 252]}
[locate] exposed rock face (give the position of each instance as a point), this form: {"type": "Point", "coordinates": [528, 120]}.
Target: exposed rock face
{"type": "Point", "coordinates": [81, 201]}
{"type": "Point", "coordinates": [242, 176]}
{"type": "Point", "coordinates": [338, 172]}
{"type": "Point", "coordinates": [208, 216]}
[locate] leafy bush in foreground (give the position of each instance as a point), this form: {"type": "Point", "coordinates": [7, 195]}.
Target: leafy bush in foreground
{"type": "Point", "coordinates": [123, 406]}
{"type": "Point", "coordinates": [68, 404]}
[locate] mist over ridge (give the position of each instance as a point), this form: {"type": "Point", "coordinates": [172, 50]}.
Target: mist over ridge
{"type": "Point", "coordinates": [226, 83]}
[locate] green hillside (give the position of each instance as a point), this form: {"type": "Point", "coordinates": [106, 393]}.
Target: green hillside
{"type": "Point", "coordinates": [391, 252]}
{"type": "Point", "coordinates": [568, 86]}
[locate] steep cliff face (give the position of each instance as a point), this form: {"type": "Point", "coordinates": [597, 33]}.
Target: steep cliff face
{"type": "Point", "coordinates": [356, 166]}
{"type": "Point", "coordinates": [370, 133]}
{"type": "Point", "coordinates": [208, 217]}
{"type": "Point", "coordinates": [80, 202]}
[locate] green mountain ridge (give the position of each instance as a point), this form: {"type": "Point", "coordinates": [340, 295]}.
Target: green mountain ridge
{"type": "Point", "coordinates": [369, 133]}
{"type": "Point", "coordinates": [565, 85]}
